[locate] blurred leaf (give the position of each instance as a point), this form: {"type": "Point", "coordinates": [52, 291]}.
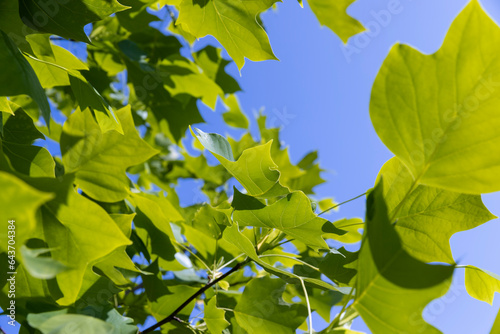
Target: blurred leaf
{"type": "Point", "coordinates": [481, 284]}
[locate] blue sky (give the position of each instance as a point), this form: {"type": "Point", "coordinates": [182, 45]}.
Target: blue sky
{"type": "Point", "coordinates": [321, 98]}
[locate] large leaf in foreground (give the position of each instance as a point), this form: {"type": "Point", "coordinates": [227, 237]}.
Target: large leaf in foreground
{"type": "Point", "coordinates": [291, 214]}
{"type": "Point", "coordinates": [438, 113]}
{"type": "Point", "coordinates": [426, 217]}
{"type": "Point", "coordinates": [100, 160]}
{"type": "Point", "coordinates": [332, 13]}
{"type": "Point", "coordinates": [255, 168]}
{"type": "Point", "coordinates": [261, 308]}
{"type": "Point", "coordinates": [233, 24]}
{"type": "Point", "coordinates": [392, 287]}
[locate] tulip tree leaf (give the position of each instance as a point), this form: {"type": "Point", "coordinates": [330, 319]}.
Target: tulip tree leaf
{"type": "Point", "coordinates": [210, 60]}
{"type": "Point", "coordinates": [496, 325]}
{"type": "Point", "coordinates": [291, 214]}
{"type": "Point", "coordinates": [59, 322]}
{"type": "Point", "coordinates": [438, 114]}
{"type": "Point", "coordinates": [255, 168]}
{"type": "Point", "coordinates": [332, 13]}
{"type": "Point", "coordinates": [119, 258]}
{"type": "Point", "coordinates": [481, 284]}
{"type": "Point", "coordinates": [20, 202]}
{"type": "Point", "coordinates": [426, 217]}
{"type": "Point", "coordinates": [19, 132]}
{"type": "Point", "coordinates": [390, 281]}
{"type": "Point", "coordinates": [262, 309]}
{"type": "Point", "coordinates": [66, 19]}
{"type": "Point", "coordinates": [18, 76]}
{"type": "Point", "coordinates": [41, 267]}
{"type": "Point", "coordinates": [234, 25]}
{"type": "Point", "coordinates": [234, 116]}
{"type": "Point", "coordinates": [68, 233]}
{"type": "Point", "coordinates": [214, 317]}
{"type": "Point", "coordinates": [99, 160]}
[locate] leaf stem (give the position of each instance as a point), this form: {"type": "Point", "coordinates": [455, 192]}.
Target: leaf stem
{"type": "Point", "coordinates": [173, 315]}
{"type": "Point", "coordinates": [194, 254]}
{"type": "Point", "coordinates": [308, 305]}
{"type": "Point", "coordinates": [337, 205]}
{"type": "Point", "coordinates": [291, 258]}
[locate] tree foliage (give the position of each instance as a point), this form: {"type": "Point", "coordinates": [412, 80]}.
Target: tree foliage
{"type": "Point", "coordinates": [102, 242]}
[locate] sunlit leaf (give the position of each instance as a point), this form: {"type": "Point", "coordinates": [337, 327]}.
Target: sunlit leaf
{"type": "Point", "coordinates": [99, 160]}
{"type": "Point", "coordinates": [234, 25]}
{"type": "Point", "coordinates": [438, 114]}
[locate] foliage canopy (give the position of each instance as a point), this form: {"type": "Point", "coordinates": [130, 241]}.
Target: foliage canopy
{"type": "Point", "coordinates": [101, 240]}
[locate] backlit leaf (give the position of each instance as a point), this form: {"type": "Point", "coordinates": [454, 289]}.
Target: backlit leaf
{"type": "Point", "coordinates": [438, 114]}
{"type": "Point", "coordinates": [99, 160]}
{"type": "Point", "coordinates": [234, 25]}
{"type": "Point", "coordinates": [390, 281]}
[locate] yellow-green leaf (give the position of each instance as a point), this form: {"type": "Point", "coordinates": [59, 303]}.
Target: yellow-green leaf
{"type": "Point", "coordinates": [438, 113]}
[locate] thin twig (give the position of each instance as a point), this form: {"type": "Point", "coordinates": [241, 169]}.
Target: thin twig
{"type": "Point", "coordinates": [337, 205]}
{"type": "Point", "coordinates": [193, 297]}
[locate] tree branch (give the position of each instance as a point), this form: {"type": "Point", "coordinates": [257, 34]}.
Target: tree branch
{"type": "Point", "coordinates": [173, 315]}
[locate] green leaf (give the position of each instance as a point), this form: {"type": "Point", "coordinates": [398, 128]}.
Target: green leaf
{"type": "Point", "coordinates": [173, 115]}
{"type": "Point", "coordinates": [210, 60]}
{"type": "Point", "coordinates": [239, 240]}
{"type": "Point", "coordinates": [481, 284]}
{"type": "Point", "coordinates": [77, 241]}
{"type": "Point", "coordinates": [59, 322]}
{"type": "Point", "coordinates": [234, 25]}
{"type": "Point", "coordinates": [181, 76]}
{"type": "Point", "coordinates": [291, 214]}
{"type": "Point", "coordinates": [261, 308]}
{"type": "Point", "coordinates": [214, 317]}
{"type": "Point", "coordinates": [119, 257]}
{"type": "Point", "coordinates": [99, 160]}
{"type": "Point", "coordinates": [19, 132]}
{"type": "Point", "coordinates": [18, 76]}
{"type": "Point", "coordinates": [41, 267]}
{"type": "Point", "coordinates": [123, 325]}
{"type": "Point", "coordinates": [20, 202]}
{"type": "Point", "coordinates": [7, 106]}
{"type": "Point", "coordinates": [391, 282]}
{"type": "Point", "coordinates": [332, 13]}
{"type": "Point", "coordinates": [30, 160]}
{"type": "Point", "coordinates": [66, 19]}
{"type": "Point", "coordinates": [210, 221]}
{"type": "Point", "coordinates": [52, 75]}
{"type": "Point", "coordinates": [234, 116]}
{"type": "Point", "coordinates": [165, 305]}
{"type": "Point", "coordinates": [255, 169]}
{"type": "Point", "coordinates": [438, 114]}
{"type": "Point", "coordinates": [215, 143]}
{"type": "Point", "coordinates": [347, 230]}
{"type": "Point", "coordinates": [426, 217]}
{"type": "Point", "coordinates": [85, 94]}
{"type": "Point", "coordinates": [152, 224]}
{"type": "Point", "coordinates": [496, 325]}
